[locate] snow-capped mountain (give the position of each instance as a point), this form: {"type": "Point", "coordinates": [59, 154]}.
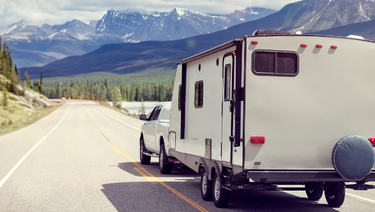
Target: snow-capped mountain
{"type": "Point", "coordinates": [39, 44]}
{"type": "Point", "coordinates": [36, 44]}
{"type": "Point", "coordinates": [178, 24]}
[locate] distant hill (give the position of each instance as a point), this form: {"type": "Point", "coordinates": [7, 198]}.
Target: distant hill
{"type": "Point", "coordinates": [311, 16]}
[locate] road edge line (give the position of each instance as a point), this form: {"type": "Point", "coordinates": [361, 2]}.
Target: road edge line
{"type": "Point", "coordinates": [117, 118]}
{"type": "Point", "coordinates": [2, 182]}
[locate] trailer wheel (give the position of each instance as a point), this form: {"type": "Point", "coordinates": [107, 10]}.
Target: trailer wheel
{"type": "Point", "coordinates": [206, 186]}
{"type": "Point", "coordinates": [164, 166]}
{"type": "Point", "coordinates": [221, 195]}
{"type": "Point", "coordinates": [335, 194]}
{"type": "Point", "coordinates": [145, 159]}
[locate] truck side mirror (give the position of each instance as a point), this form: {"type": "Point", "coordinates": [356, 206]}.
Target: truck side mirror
{"type": "Point", "coordinates": [143, 117]}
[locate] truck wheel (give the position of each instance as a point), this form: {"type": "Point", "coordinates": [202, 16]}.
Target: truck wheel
{"type": "Point", "coordinates": [206, 186]}
{"type": "Point", "coordinates": [221, 195]}
{"type": "Point", "coordinates": [145, 159]}
{"type": "Point", "coordinates": [335, 194]}
{"type": "Point", "coordinates": [313, 194]}
{"type": "Point", "coordinates": [164, 166]}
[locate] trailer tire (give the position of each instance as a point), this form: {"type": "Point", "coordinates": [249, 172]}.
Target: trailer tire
{"type": "Point", "coordinates": [312, 192]}
{"type": "Point", "coordinates": [165, 166]}
{"type": "Point", "coordinates": [145, 159]}
{"type": "Point", "coordinates": [206, 186]}
{"type": "Point", "coordinates": [335, 194]}
{"type": "Point", "coordinates": [221, 195]}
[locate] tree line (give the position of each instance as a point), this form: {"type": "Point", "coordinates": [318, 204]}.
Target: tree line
{"type": "Point", "coordinates": [119, 88]}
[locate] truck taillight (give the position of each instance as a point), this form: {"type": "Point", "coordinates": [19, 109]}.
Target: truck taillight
{"type": "Point", "coordinates": [254, 42]}
{"type": "Point", "coordinates": [372, 141]}
{"type": "Point", "coordinates": [257, 139]}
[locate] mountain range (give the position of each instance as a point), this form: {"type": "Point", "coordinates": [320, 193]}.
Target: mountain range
{"type": "Point", "coordinates": [162, 56]}
{"type": "Point", "coordinates": [37, 45]}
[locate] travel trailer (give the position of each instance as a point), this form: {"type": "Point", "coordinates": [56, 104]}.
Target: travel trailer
{"type": "Point", "coordinates": [274, 109]}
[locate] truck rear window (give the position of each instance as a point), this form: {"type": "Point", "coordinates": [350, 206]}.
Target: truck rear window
{"type": "Point", "coordinates": [280, 63]}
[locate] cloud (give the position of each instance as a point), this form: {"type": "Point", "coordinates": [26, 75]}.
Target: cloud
{"type": "Point", "coordinates": [59, 12]}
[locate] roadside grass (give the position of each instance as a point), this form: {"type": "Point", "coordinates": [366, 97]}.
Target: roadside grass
{"type": "Point", "coordinates": [18, 115]}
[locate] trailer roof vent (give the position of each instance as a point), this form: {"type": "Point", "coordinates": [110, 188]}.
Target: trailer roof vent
{"type": "Point", "coordinates": [269, 32]}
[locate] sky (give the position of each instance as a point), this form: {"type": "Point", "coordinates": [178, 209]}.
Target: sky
{"type": "Point", "coordinates": [60, 11]}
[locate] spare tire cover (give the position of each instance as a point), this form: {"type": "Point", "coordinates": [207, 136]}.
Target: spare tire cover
{"type": "Point", "coordinates": [353, 157]}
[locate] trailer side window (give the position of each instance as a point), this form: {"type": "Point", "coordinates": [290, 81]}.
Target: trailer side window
{"type": "Point", "coordinates": [278, 63]}
{"type": "Point", "coordinates": [227, 80]}
{"type": "Point", "coordinates": [198, 103]}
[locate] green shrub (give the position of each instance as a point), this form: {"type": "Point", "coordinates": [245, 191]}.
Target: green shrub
{"type": "Point", "coordinates": [3, 123]}
{"type": "Point", "coordinates": [24, 105]}
{"type": "Point", "coordinates": [13, 98]}
{"type": "Point", "coordinates": [10, 122]}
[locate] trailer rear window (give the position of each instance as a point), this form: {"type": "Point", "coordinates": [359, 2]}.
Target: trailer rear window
{"type": "Point", "coordinates": [265, 62]}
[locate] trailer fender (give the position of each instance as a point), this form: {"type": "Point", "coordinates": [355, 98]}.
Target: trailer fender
{"type": "Point", "coordinates": [353, 157]}
{"type": "Point", "coordinates": [208, 165]}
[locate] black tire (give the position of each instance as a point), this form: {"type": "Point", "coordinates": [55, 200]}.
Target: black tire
{"type": "Point", "coordinates": [165, 166]}
{"type": "Point", "coordinates": [145, 159]}
{"type": "Point", "coordinates": [206, 186]}
{"type": "Point", "coordinates": [313, 194]}
{"type": "Point", "coordinates": [220, 195]}
{"type": "Point", "coordinates": [335, 194]}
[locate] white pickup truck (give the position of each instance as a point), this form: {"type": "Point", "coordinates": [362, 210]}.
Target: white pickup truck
{"type": "Point", "coordinates": [154, 137]}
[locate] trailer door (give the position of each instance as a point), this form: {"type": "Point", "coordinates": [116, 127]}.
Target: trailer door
{"type": "Point", "coordinates": [227, 116]}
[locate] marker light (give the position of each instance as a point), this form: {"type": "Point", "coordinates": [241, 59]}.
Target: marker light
{"type": "Point", "coordinates": [257, 139]}
{"type": "Point", "coordinates": [372, 141]}
{"type": "Point", "coordinates": [333, 47]}
{"type": "Point", "coordinates": [319, 46]}
{"type": "Point", "coordinates": [254, 42]}
{"type": "Point", "coordinates": [304, 45]}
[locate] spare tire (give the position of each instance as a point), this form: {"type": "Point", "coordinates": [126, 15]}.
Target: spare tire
{"type": "Point", "coordinates": [353, 157]}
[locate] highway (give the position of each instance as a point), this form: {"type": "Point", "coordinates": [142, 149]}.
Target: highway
{"type": "Point", "coordinates": [85, 157]}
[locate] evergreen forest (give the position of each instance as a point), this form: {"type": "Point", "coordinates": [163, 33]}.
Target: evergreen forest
{"type": "Point", "coordinates": [111, 88]}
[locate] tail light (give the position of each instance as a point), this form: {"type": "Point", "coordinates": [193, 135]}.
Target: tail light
{"type": "Point", "coordinates": [372, 141]}
{"type": "Point", "coordinates": [257, 139]}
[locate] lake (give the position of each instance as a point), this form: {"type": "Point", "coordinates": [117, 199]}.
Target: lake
{"type": "Point", "coordinates": [134, 107]}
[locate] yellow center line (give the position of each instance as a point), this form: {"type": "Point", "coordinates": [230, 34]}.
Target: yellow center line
{"type": "Point", "coordinates": [191, 202]}
{"type": "Point", "coordinates": [145, 175]}
{"type": "Point", "coordinates": [150, 177]}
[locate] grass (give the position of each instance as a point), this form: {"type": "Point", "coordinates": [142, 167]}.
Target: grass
{"type": "Point", "coordinates": [18, 115]}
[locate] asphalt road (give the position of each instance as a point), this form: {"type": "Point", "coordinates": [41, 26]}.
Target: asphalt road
{"type": "Point", "coordinates": [85, 157]}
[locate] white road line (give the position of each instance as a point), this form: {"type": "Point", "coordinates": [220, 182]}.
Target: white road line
{"type": "Point", "coordinates": [30, 151]}
{"type": "Point", "coordinates": [362, 198]}
{"type": "Point", "coordinates": [117, 119]}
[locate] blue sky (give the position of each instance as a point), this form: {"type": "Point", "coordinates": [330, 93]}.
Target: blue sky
{"type": "Point", "coordinates": [61, 11]}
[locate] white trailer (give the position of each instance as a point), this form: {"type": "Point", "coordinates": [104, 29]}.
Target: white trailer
{"type": "Point", "coordinates": [276, 109]}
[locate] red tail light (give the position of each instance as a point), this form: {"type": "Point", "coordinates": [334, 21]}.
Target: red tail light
{"type": "Point", "coordinates": [304, 45]}
{"type": "Point", "coordinates": [372, 141]}
{"type": "Point", "coordinates": [319, 46]}
{"type": "Point", "coordinates": [257, 139]}
{"type": "Point", "coordinates": [333, 47]}
{"type": "Point", "coordinates": [254, 42]}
